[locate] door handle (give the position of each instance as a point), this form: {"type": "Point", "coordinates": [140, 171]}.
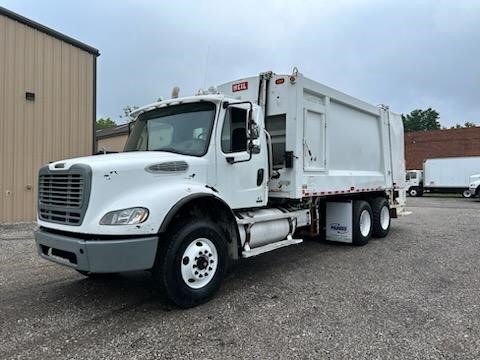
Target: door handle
{"type": "Point", "coordinates": [260, 176]}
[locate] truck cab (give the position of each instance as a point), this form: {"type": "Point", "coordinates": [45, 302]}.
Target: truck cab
{"type": "Point", "coordinates": [414, 182]}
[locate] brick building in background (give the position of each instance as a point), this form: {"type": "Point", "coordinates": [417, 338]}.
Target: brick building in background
{"type": "Point", "coordinates": [422, 145]}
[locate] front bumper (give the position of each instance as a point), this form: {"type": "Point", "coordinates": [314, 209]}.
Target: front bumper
{"type": "Point", "coordinates": [97, 256]}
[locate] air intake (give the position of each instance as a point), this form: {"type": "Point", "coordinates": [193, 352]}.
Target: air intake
{"type": "Point", "coordinates": [167, 167]}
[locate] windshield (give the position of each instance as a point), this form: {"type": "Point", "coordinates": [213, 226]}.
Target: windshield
{"type": "Point", "coordinates": [183, 129]}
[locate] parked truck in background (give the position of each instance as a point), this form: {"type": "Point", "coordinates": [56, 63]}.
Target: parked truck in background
{"type": "Point", "coordinates": [256, 165]}
{"type": "Point", "coordinates": [414, 182]}
{"type": "Point", "coordinates": [474, 186]}
{"type": "Point", "coordinates": [443, 175]}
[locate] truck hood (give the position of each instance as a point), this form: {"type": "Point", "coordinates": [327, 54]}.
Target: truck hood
{"type": "Point", "coordinates": [134, 159]}
{"type": "Point", "coordinates": [154, 180]}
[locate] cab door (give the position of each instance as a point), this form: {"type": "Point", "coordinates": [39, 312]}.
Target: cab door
{"type": "Point", "coordinates": [242, 173]}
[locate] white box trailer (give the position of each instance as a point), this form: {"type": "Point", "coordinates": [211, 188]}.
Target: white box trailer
{"type": "Point", "coordinates": [256, 165]}
{"type": "Point", "coordinates": [450, 174]}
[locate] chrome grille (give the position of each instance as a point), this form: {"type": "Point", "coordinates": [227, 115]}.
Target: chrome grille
{"type": "Point", "coordinates": [63, 195]}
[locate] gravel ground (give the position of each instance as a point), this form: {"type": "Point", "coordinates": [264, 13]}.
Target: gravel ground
{"type": "Point", "coordinates": [413, 295]}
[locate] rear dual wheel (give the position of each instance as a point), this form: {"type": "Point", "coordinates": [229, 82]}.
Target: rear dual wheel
{"type": "Point", "coordinates": [381, 217]}
{"type": "Point", "coordinates": [362, 222]}
{"type": "Point", "coordinates": [370, 220]}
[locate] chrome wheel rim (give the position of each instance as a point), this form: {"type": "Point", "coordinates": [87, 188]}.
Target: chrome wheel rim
{"type": "Point", "coordinates": [413, 192]}
{"type": "Point", "coordinates": [467, 194]}
{"type": "Point", "coordinates": [365, 223]}
{"type": "Point", "coordinates": [384, 217]}
{"type": "Point", "coordinates": [199, 263]}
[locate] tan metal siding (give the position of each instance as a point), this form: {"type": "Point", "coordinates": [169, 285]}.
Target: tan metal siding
{"type": "Point", "coordinates": [57, 125]}
{"type": "Point", "coordinates": [114, 143]}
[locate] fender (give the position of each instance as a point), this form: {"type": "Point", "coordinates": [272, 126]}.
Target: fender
{"type": "Point", "coordinates": [234, 245]}
{"type": "Point", "coordinates": [175, 208]}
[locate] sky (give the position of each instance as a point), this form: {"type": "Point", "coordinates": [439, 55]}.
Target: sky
{"type": "Point", "coordinates": [406, 54]}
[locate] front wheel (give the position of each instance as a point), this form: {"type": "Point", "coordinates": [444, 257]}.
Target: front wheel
{"type": "Point", "coordinates": [191, 266]}
{"type": "Point", "coordinates": [413, 192]}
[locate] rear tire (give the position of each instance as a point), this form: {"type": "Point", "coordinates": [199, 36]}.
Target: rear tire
{"type": "Point", "coordinates": [191, 263]}
{"type": "Point", "coordinates": [362, 223]}
{"type": "Point", "coordinates": [466, 194]}
{"type": "Point", "coordinates": [381, 217]}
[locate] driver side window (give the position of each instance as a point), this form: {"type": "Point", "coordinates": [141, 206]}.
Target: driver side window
{"type": "Point", "coordinates": [234, 132]}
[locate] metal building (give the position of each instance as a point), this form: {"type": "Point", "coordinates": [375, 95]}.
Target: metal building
{"type": "Point", "coordinates": [47, 107]}
{"type": "Point", "coordinates": [112, 139]}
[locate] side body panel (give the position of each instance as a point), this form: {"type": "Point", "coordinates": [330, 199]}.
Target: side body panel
{"type": "Point", "coordinates": [340, 144]}
{"type": "Point", "coordinates": [450, 172]}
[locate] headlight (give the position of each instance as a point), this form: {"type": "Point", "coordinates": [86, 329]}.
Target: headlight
{"type": "Point", "coordinates": [130, 216]}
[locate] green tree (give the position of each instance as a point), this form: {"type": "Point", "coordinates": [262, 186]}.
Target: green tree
{"type": "Point", "coordinates": [421, 120]}
{"type": "Point", "coordinates": [127, 110]}
{"type": "Point", "coordinates": [105, 123]}
{"type": "Point", "coordinates": [466, 125]}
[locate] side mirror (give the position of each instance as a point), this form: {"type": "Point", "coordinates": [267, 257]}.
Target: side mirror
{"type": "Point", "coordinates": [253, 130]}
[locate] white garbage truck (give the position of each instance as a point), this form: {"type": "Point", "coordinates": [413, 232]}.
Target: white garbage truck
{"type": "Point", "coordinates": [247, 168]}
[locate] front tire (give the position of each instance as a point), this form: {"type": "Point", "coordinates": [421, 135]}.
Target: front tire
{"type": "Point", "coordinates": [191, 263]}
{"type": "Point", "coordinates": [362, 222]}
{"type": "Point", "coordinates": [381, 217]}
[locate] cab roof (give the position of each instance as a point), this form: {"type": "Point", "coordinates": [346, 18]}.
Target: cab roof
{"type": "Point", "coordinates": [181, 100]}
